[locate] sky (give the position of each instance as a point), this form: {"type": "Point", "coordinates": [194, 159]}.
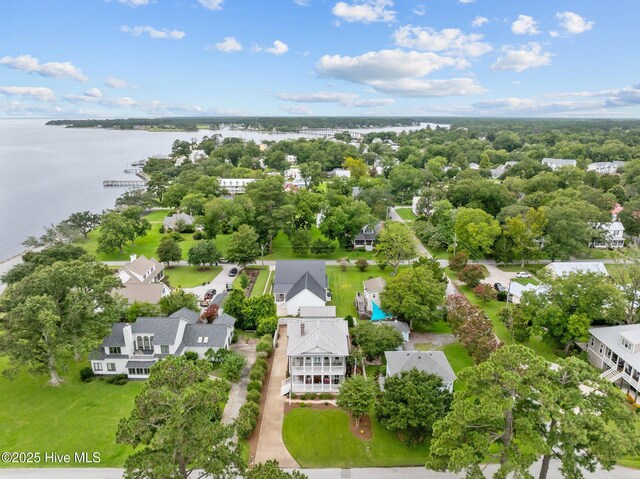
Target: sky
{"type": "Point", "coordinates": [149, 58]}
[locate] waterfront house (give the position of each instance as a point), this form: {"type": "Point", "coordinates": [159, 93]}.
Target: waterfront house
{"type": "Point", "coordinates": [555, 163]}
{"type": "Point", "coordinates": [235, 186]}
{"type": "Point", "coordinates": [317, 352]}
{"type": "Point", "coordinates": [142, 280]}
{"type": "Point", "coordinates": [300, 283]}
{"type": "Point", "coordinates": [133, 348]}
{"type": "Point", "coordinates": [616, 351]}
{"type": "Point", "coordinates": [173, 222]}
{"type": "Point", "coordinates": [431, 362]}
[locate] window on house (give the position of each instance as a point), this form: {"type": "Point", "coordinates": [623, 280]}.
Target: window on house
{"type": "Point", "coordinates": [132, 371]}
{"type": "Point", "coordinates": [205, 339]}
{"type": "Point", "coordinates": [317, 360]}
{"type": "Point", "coordinates": [279, 298]}
{"type": "Point", "coordinates": [592, 342]}
{"type": "Point", "coordinates": [147, 344]}
{"type": "Point", "coordinates": [199, 339]}
{"type": "Point", "coordinates": [115, 351]}
{"type": "Point", "coordinates": [139, 342]}
{"type": "Point", "coordinates": [97, 366]}
{"type": "Point", "coordinates": [164, 349]}
{"type": "Point", "coordinates": [627, 344]}
{"type": "Point", "coordinates": [111, 366]}
{"type": "Point", "coordinates": [601, 348]}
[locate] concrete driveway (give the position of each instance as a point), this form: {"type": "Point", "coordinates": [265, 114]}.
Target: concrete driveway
{"type": "Point", "coordinates": [219, 283]}
{"type": "Point", "coordinates": [238, 392]}
{"type": "Point", "coordinates": [270, 443]}
{"type": "Point", "coordinates": [496, 275]}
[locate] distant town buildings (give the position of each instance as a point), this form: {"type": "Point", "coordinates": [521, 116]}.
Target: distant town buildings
{"type": "Point", "coordinates": [555, 163]}
{"type": "Point", "coordinates": [606, 167]}
{"type": "Point", "coordinates": [235, 186]}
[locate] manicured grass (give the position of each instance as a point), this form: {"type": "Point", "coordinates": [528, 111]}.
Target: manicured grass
{"type": "Point", "coordinates": [458, 357]}
{"type": "Point", "coordinates": [282, 249]}
{"type": "Point", "coordinates": [406, 214]}
{"type": "Point", "coordinates": [439, 327]}
{"type": "Point", "coordinates": [261, 282]}
{"type": "Point", "coordinates": [190, 276]}
{"type": "Point", "coordinates": [614, 269]}
{"type": "Point", "coordinates": [438, 253]}
{"type": "Point", "coordinates": [526, 281]}
{"type": "Point", "coordinates": [73, 417]}
{"type": "Point", "coordinates": [345, 284]}
{"type": "Point", "coordinates": [514, 268]}
{"type": "Point", "coordinates": [322, 438]}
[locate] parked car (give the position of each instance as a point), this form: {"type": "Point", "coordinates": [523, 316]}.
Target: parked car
{"type": "Point", "coordinates": [233, 272]}
{"type": "Point", "coordinates": [229, 286]}
{"type": "Point", "coordinates": [523, 274]}
{"type": "Point", "coordinates": [498, 287]}
{"type": "Point", "coordinates": [208, 296]}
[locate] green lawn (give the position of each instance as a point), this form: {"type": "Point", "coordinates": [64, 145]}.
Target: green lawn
{"type": "Point", "coordinates": [282, 249]}
{"type": "Point", "coordinates": [526, 281]}
{"type": "Point", "coordinates": [73, 417]}
{"type": "Point", "coordinates": [514, 268]}
{"type": "Point", "coordinates": [322, 438]}
{"type": "Point", "coordinates": [439, 327]}
{"type": "Point", "coordinates": [438, 253]}
{"type": "Point", "coordinates": [345, 284]}
{"type": "Point", "coordinates": [261, 282]}
{"type": "Point", "coordinates": [406, 214]}
{"type": "Point", "coordinates": [190, 276]}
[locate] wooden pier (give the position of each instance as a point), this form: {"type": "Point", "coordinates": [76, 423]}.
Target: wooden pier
{"type": "Point", "coordinates": [133, 170]}
{"type": "Point", "coordinates": [125, 183]}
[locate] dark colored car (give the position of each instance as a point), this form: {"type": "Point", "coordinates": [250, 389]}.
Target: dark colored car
{"type": "Point", "coordinates": [233, 272]}
{"type": "Point", "coordinates": [499, 288]}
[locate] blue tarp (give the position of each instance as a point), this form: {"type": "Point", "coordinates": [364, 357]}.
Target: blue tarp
{"type": "Point", "coordinates": [378, 314]}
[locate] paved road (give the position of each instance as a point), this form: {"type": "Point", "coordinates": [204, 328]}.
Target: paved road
{"type": "Point", "coordinates": [362, 473]}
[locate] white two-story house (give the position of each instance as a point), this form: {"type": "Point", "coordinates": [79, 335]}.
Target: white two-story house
{"type": "Point", "coordinates": [367, 237]}
{"type": "Point", "coordinates": [300, 283]}
{"type": "Point", "coordinates": [235, 186]}
{"type": "Point", "coordinates": [613, 235]}
{"type": "Point", "coordinates": [133, 348]}
{"type": "Point", "coordinates": [616, 351]}
{"type": "Point", "coordinates": [317, 352]}
{"type": "Point", "coordinates": [142, 280]}
{"type": "Point", "coordinates": [556, 163]}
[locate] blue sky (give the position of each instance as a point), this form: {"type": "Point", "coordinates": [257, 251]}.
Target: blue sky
{"type": "Point", "coordinates": [97, 58]}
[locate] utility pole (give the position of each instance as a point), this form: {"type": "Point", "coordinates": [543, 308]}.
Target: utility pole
{"type": "Point", "coordinates": [262, 247]}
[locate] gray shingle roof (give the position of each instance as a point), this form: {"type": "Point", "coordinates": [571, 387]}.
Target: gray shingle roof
{"type": "Point", "coordinates": [610, 336]}
{"type": "Point", "coordinates": [307, 281]}
{"type": "Point", "coordinates": [140, 364]}
{"type": "Point", "coordinates": [225, 319]}
{"type": "Point", "coordinates": [164, 330]}
{"type": "Point", "coordinates": [362, 236]}
{"type": "Point", "coordinates": [142, 292]}
{"type": "Point", "coordinates": [432, 362]}
{"type": "Point", "coordinates": [375, 284]}
{"type": "Point", "coordinates": [210, 335]}
{"type": "Point", "coordinates": [290, 272]}
{"type": "Point", "coordinates": [116, 338]}
{"type": "Point", "coordinates": [401, 326]}
{"type": "Point", "coordinates": [171, 221]}
{"type": "Point", "coordinates": [186, 314]}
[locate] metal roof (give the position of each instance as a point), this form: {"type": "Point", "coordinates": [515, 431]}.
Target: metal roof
{"type": "Point", "coordinates": [317, 311]}
{"type": "Point", "coordinates": [432, 362]}
{"type": "Point", "coordinates": [565, 268]}
{"type": "Point", "coordinates": [320, 337]}
{"type": "Point", "coordinates": [610, 337]}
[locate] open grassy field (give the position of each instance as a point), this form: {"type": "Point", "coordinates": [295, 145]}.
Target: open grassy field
{"type": "Point", "coordinates": [345, 284]}
{"type": "Point", "coordinates": [282, 249]}
{"type": "Point", "coordinates": [406, 214]}
{"type": "Point", "coordinates": [73, 417]}
{"type": "Point", "coordinates": [190, 276]}
{"type": "Point", "coordinates": [334, 445]}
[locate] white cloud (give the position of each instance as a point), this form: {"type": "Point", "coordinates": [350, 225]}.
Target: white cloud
{"type": "Point", "coordinates": [302, 3]}
{"type": "Point", "coordinates": [554, 34]}
{"type": "Point", "coordinates": [420, 10]}
{"type": "Point", "coordinates": [32, 92]}
{"type": "Point", "coordinates": [572, 23]}
{"type": "Point", "coordinates": [529, 106]}
{"type": "Point", "coordinates": [155, 34]}
{"type": "Point", "coordinates": [93, 92]}
{"type": "Point", "coordinates": [365, 11]}
{"type": "Point", "coordinates": [450, 40]}
{"type": "Point", "coordinates": [135, 3]}
{"type": "Point", "coordinates": [113, 82]}
{"type": "Point", "coordinates": [525, 25]}
{"type": "Point", "coordinates": [211, 4]}
{"type": "Point", "coordinates": [278, 48]}
{"type": "Point", "coordinates": [228, 44]}
{"type": "Point", "coordinates": [426, 88]}
{"type": "Point", "coordinates": [479, 21]}
{"type": "Point", "coordinates": [382, 65]}
{"type": "Point", "coordinates": [344, 99]}
{"type": "Point", "coordinates": [465, 2]}
{"type": "Point", "coordinates": [527, 56]}
{"type": "Point", "coordinates": [29, 64]}
{"type": "Point", "coordinates": [298, 110]}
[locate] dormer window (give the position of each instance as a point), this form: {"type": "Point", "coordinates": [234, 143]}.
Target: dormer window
{"type": "Point", "coordinates": [627, 344]}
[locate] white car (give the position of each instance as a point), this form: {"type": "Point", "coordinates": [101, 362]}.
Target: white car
{"type": "Point", "coordinates": [523, 274]}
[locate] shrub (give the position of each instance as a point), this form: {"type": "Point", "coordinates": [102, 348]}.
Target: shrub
{"type": "Point", "coordinates": [302, 404]}
{"type": "Point", "coordinates": [256, 375]}
{"type": "Point", "coordinates": [349, 319]}
{"type": "Point", "coordinates": [245, 424]}
{"type": "Point", "coordinates": [254, 386]}
{"type": "Point", "coordinates": [501, 296]}
{"type": "Point", "coordinates": [265, 345]}
{"type": "Point", "coordinates": [118, 379]}
{"type": "Point", "coordinates": [260, 363]}
{"type": "Point", "coordinates": [325, 396]}
{"type": "Point", "coordinates": [199, 235]}
{"type": "Point", "coordinates": [254, 396]}
{"type": "Point", "coordinates": [472, 274]}
{"type": "Point", "coordinates": [485, 292]}
{"type": "Point", "coordinates": [323, 246]}
{"type": "Point", "coordinates": [234, 340]}
{"type": "Point", "coordinates": [176, 236]}
{"type": "Point", "coordinates": [383, 370]}
{"type": "Point", "coordinates": [262, 355]}
{"type": "Point", "coordinates": [191, 356]}
{"type": "Point", "coordinates": [87, 374]}
{"type": "Point", "coordinates": [232, 366]}
{"type": "Point", "coordinates": [343, 262]}
{"type": "Point", "coordinates": [458, 261]}
{"type": "Point", "coordinates": [362, 264]}
{"type": "Point", "coordinates": [161, 229]}
{"type": "Point", "coordinates": [267, 326]}
{"type": "Point", "coordinates": [188, 229]}
{"type": "Point", "coordinates": [244, 280]}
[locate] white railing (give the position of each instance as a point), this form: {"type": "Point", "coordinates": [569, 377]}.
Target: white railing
{"type": "Point", "coordinates": [314, 388]}
{"type": "Point", "coordinates": [285, 388]}
{"type": "Point", "coordinates": [318, 369]}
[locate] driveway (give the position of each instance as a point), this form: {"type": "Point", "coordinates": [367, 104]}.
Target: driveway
{"type": "Point", "coordinates": [238, 392]}
{"type": "Point", "coordinates": [219, 283]}
{"type": "Point", "coordinates": [270, 443]}
{"type": "Point", "coordinates": [496, 275]}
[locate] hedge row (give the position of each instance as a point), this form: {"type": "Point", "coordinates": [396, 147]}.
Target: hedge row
{"type": "Point", "coordinates": [249, 412]}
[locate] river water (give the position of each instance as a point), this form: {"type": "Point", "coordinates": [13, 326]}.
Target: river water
{"type": "Point", "coordinates": [49, 172]}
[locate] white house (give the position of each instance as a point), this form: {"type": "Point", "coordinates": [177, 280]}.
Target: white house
{"type": "Point", "coordinates": [566, 268]}
{"type": "Point", "coordinates": [613, 236]}
{"type": "Point", "coordinates": [500, 170]}
{"type": "Point", "coordinates": [235, 186]}
{"type": "Point", "coordinates": [300, 283]}
{"type": "Point", "coordinates": [367, 237]}
{"type": "Point", "coordinates": [516, 290]}
{"type": "Point", "coordinates": [339, 172]}
{"type": "Point", "coordinates": [555, 163]}
{"type": "Point", "coordinates": [142, 280]}
{"type": "Point", "coordinates": [172, 222]}
{"type": "Point", "coordinates": [414, 204]}
{"type": "Point", "coordinates": [474, 166]}
{"type": "Point", "coordinates": [133, 348]}
{"type": "Point", "coordinates": [616, 351]}
{"type": "Point", "coordinates": [372, 289]}
{"type": "Point", "coordinates": [431, 362]}
{"type": "Point", "coordinates": [293, 177]}
{"type": "Point", "coordinates": [400, 326]}
{"type": "Point", "coordinates": [317, 352]}
{"type": "Point", "coordinates": [605, 167]}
